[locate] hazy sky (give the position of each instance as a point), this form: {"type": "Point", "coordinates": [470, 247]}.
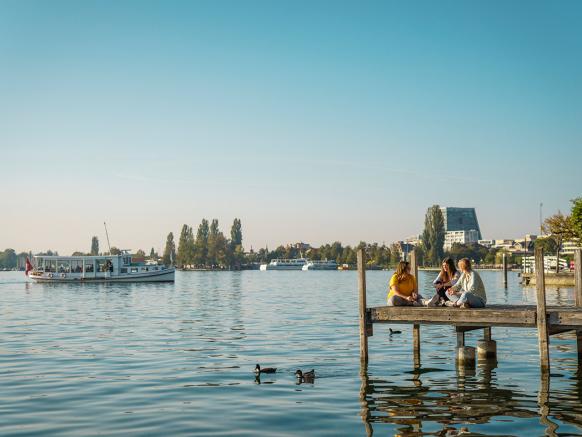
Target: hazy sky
{"type": "Point", "coordinates": [314, 121]}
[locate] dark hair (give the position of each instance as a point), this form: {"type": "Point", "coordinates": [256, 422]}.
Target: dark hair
{"type": "Point", "coordinates": [452, 268]}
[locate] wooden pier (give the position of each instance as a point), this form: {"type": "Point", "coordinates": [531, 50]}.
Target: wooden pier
{"type": "Point", "coordinates": [547, 320]}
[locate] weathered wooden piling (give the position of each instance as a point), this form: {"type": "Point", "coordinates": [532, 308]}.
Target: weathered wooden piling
{"type": "Point", "coordinates": [541, 316]}
{"type": "Point", "coordinates": [416, 327]}
{"type": "Point", "coordinates": [465, 354]}
{"type": "Point", "coordinates": [504, 270]}
{"type": "Point", "coordinates": [487, 348]}
{"type": "Point", "coordinates": [578, 291]}
{"type": "Point", "coordinates": [363, 318]}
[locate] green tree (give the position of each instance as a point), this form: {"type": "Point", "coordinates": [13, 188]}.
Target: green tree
{"type": "Point", "coordinates": [214, 244]}
{"type": "Point", "coordinates": [115, 251]}
{"type": "Point", "coordinates": [185, 247]}
{"type": "Point", "coordinates": [94, 246]}
{"type": "Point", "coordinates": [140, 253]}
{"type": "Point", "coordinates": [576, 218]}
{"type": "Point", "coordinates": [153, 254]}
{"type": "Point", "coordinates": [236, 233]}
{"type": "Point", "coordinates": [169, 257]}
{"type": "Point", "coordinates": [8, 259]}
{"type": "Point", "coordinates": [433, 236]}
{"type": "Point", "coordinates": [201, 244]}
{"type": "Point", "coordinates": [559, 227]}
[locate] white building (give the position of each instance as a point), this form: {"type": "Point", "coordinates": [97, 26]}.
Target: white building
{"type": "Point", "coordinates": [460, 237]}
{"type": "Point", "coordinates": [569, 246]}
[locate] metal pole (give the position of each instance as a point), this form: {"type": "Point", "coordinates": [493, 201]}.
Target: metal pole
{"type": "Point", "coordinates": [107, 235]}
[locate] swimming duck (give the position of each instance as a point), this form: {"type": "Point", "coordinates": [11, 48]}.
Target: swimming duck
{"type": "Point", "coordinates": [394, 332]}
{"type": "Point", "coordinates": [258, 370]}
{"type": "Point", "coordinates": [307, 375]}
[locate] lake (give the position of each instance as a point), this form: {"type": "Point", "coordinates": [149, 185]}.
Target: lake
{"type": "Point", "coordinates": [178, 359]}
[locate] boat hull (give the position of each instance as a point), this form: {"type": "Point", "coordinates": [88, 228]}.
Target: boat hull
{"type": "Point", "coordinates": [159, 276]}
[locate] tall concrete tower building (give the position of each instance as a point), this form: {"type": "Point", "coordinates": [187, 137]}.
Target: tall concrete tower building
{"type": "Point", "coordinates": [461, 226]}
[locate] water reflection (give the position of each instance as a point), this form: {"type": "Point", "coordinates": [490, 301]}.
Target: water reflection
{"type": "Point", "coordinates": [455, 406]}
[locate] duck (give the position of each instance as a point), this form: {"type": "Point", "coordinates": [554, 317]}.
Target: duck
{"type": "Point", "coordinates": [307, 375]}
{"type": "Point", "coordinates": [258, 370]}
{"type": "Point", "coordinates": [394, 332]}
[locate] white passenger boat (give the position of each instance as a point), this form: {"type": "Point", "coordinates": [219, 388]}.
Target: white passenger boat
{"type": "Point", "coordinates": [80, 269]}
{"type": "Point", "coordinates": [320, 265]}
{"type": "Point", "coordinates": [285, 264]}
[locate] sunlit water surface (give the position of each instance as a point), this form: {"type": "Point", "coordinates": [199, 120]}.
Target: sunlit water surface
{"type": "Point", "coordinates": [177, 359]}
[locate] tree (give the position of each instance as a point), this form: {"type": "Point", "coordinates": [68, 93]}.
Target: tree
{"type": "Point", "coordinates": [559, 227]}
{"type": "Point", "coordinates": [140, 253]}
{"type": "Point", "coordinates": [433, 236]}
{"type": "Point", "coordinates": [547, 243]}
{"type": "Point", "coordinates": [576, 218]}
{"type": "Point", "coordinates": [201, 244]}
{"type": "Point", "coordinates": [8, 259]}
{"type": "Point", "coordinates": [185, 247]}
{"type": "Point", "coordinates": [153, 254]}
{"type": "Point", "coordinates": [214, 243]}
{"type": "Point", "coordinates": [169, 257]}
{"type": "Point", "coordinates": [115, 251]}
{"type": "Point", "coordinates": [236, 233]}
{"type": "Point", "coordinates": [95, 246]}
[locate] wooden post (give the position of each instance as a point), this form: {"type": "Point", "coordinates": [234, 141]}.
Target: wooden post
{"type": "Point", "coordinates": [416, 327]}
{"type": "Point", "coordinates": [578, 291]}
{"type": "Point", "coordinates": [542, 318]}
{"type": "Point", "coordinates": [362, 292]}
{"type": "Point", "coordinates": [504, 270]}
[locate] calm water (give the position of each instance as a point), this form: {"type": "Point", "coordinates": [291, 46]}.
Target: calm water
{"type": "Point", "coordinates": [175, 359]}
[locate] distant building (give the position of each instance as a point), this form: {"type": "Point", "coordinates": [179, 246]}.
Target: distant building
{"type": "Point", "coordinates": [403, 248]}
{"type": "Point", "coordinates": [486, 243]}
{"type": "Point", "coordinates": [569, 246]}
{"type": "Point", "coordinates": [461, 219]}
{"type": "Point", "coordinates": [460, 237]}
{"type": "Point", "coordinates": [503, 244]}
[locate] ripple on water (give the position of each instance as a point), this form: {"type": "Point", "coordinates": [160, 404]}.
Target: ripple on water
{"type": "Point", "coordinates": [172, 359]}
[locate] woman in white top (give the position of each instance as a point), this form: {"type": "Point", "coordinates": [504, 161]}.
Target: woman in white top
{"type": "Point", "coordinates": [469, 287]}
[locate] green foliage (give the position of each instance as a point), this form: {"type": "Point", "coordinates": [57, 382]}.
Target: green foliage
{"type": "Point", "coordinates": [169, 257]}
{"type": "Point", "coordinates": [140, 253]}
{"type": "Point", "coordinates": [8, 259]}
{"type": "Point", "coordinates": [115, 251]}
{"type": "Point", "coordinates": [576, 218]}
{"type": "Point", "coordinates": [433, 236]}
{"type": "Point", "coordinates": [236, 233]}
{"type": "Point", "coordinates": [94, 246]}
{"type": "Point", "coordinates": [475, 252]}
{"type": "Point", "coordinates": [185, 247]}
{"type": "Point", "coordinates": [201, 244]}
{"type": "Point", "coordinates": [547, 243]}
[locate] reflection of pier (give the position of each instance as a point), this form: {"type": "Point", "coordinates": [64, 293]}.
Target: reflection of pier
{"type": "Point", "coordinates": [474, 400]}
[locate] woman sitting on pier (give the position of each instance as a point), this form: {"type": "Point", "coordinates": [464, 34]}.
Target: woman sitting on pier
{"type": "Point", "coordinates": [448, 276]}
{"type": "Point", "coordinates": [403, 287]}
{"type": "Point", "coordinates": [469, 287]}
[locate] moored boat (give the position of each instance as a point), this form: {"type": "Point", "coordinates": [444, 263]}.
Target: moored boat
{"type": "Point", "coordinates": [320, 265]}
{"type": "Point", "coordinates": [285, 264]}
{"type": "Point", "coordinates": [110, 268]}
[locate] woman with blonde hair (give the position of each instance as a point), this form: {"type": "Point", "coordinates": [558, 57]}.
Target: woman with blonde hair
{"type": "Point", "coordinates": [469, 288]}
{"type": "Point", "coordinates": [403, 291]}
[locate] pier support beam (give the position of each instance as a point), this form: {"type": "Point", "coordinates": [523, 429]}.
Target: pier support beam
{"type": "Point", "coordinates": [504, 269]}
{"type": "Point", "coordinates": [578, 295]}
{"type": "Point", "coordinates": [416, 327]}
{"type": "Point", "coordinates": [363, 309]}
{"type": "Point", "coordinates": [487, 348]}
{"type": "Point", "coordinates": [542, 318]}
{"type": "Point", "coordinates": [465, 354]}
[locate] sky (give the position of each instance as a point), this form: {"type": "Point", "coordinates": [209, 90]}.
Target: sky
{"type": "Point", "coordinates": [311, 121]}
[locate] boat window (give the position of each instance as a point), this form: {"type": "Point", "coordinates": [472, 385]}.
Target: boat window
{"type": "Point", "coordinates": [50, 265]}
{"type": "Point", "coordinates": [64, 266]}
{"type": "Point", "coordinates": [89, 267]}
{"type": "Point", "coordinates": [123, 270]}
{"type": "Point", "coordinates": [134, 270]}
{"type": "Point", "coordinates": [76, 266]}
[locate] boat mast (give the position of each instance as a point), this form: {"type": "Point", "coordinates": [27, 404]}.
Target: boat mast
{"type": "Point", "coordinates": [107, 235]}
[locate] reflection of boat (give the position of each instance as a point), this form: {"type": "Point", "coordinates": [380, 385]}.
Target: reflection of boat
{"type": "Point", "coordinates": [320, 265]}
{"type": "Point", "coordinates": [285, 264]}
{"type": "Point", "coordinates": [113, 268]}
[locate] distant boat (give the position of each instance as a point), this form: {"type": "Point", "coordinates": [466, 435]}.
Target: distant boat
{"type": "Point", "coordinates": [113, 268]}
{"type": "Point", "coordinates": [320, 265]}
{"type": "Point", "coordinates": [284, 264]}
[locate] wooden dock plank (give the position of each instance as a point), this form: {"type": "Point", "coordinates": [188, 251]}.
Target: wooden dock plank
{"type": "Point", "coordinates": [493, 315]}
